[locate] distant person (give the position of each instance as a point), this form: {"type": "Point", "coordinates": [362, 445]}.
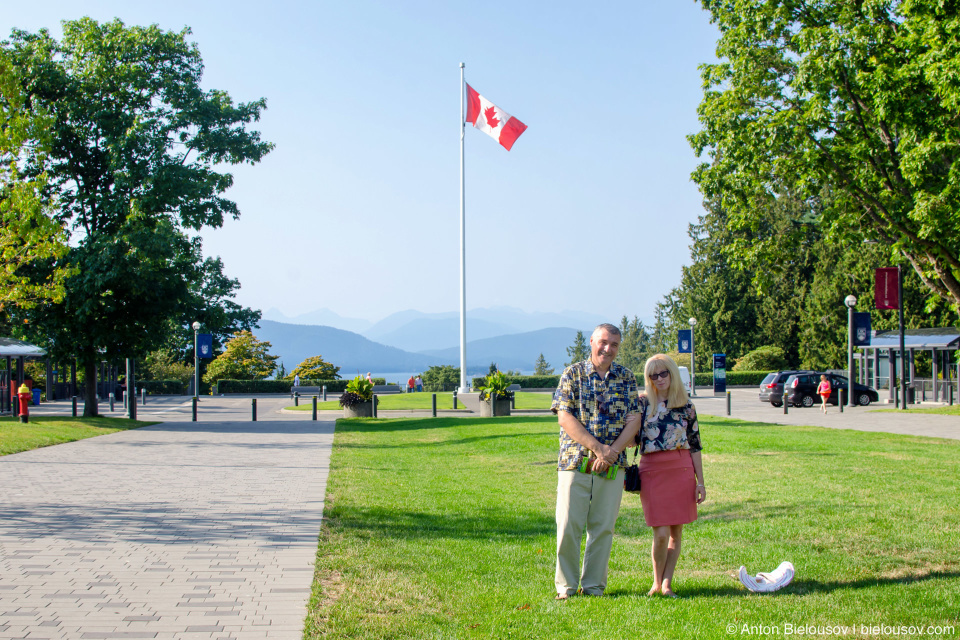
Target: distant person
{"type": "Point", "coordinates": [419, 382]}
{"type": "Point", "coordinates": [671, 469]}
{"type": "Point", "coordinates": [411, 383]}
{"type": "Point", "coordinates": [824, 390]}
{"type": "Point", "coordinates": [296, 380]}
{"type": "Point", "coordinates": [597, 406]}
{"type": "Point", "coordinates": [369, 379]}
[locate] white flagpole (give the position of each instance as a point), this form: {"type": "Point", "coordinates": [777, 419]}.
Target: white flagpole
{"type": "Point", "coordinates": [463, 260]}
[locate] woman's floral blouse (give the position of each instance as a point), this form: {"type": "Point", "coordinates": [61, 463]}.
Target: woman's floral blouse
{"type": "Point", "coordinates": [668, 429]}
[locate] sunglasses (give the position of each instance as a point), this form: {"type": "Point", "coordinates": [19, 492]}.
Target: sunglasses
{"type": "Point", "coordinates": [662, 374]}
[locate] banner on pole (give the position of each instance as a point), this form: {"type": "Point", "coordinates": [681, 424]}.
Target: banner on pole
{"type": "Point", "coordinates": [684, 340]}
{"type": "Point", "coordinates": [886, 294]}
{"type": "Point", "coordinates": [861, 329]}
{"type": "Point", "coordinates": [204, 345]}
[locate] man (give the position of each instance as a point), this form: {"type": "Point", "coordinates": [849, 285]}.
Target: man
{"type": "Point", "coordinates": [597, 406]}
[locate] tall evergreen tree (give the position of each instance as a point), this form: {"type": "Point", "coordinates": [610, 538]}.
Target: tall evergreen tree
{"type": "Point", "coordinates": [579, 350]}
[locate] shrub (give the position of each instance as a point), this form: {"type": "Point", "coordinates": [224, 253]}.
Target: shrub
{"type": "Point", "coordinates": [496, 383]}
{"type": "Point", "coordinates": [525, 382]}
{"type": "Point", "coordinates": [275, 386]}
{"type": "Point", "coordinates": [762, 358]}
{"type": "Point", "coordinates": [162, 387]}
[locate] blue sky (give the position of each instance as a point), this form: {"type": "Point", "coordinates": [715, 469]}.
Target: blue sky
{"type": "Point", "coordinates": [357, 209]}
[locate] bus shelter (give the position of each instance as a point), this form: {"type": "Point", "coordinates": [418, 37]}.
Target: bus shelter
{"type": "Point", "coordinates": [882, 356]}
{"type": "Point", "coordinates": [16, 352]}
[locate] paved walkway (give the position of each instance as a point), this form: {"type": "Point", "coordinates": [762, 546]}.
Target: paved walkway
{"type": "Point", "coordinates": [180, 530]}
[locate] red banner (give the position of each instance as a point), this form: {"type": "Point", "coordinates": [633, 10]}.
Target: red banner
{"type": "Point", "coordinates": [886, 295]}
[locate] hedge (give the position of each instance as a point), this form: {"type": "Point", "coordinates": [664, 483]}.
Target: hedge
{"type": "Point", "coordinates": [275, 386]}
{"type": "Point", "coordinates": [525, 382]}
{"type": "Point", "coordinates": [734, 378]}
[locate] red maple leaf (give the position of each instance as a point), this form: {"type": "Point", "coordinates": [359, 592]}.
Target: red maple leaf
{"type": "Point", "coordinates": [490, 114]}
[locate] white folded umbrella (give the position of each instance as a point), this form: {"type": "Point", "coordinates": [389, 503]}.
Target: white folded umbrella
{"type": "Point", "coordinates": [768, 582]}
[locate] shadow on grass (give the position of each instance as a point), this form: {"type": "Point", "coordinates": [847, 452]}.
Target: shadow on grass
{"type": "Point", "coordinates": [413, 525]}
{"type": "Point", "coordinates": [386, 425]}
{"type": "Point", "coordinates": [795, 588]}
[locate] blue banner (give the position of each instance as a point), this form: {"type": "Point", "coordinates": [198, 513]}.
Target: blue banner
{"type": "Point", "coordinates": [719, 373]}
{"type": "Point", "coordinates": [861, 329]}
{"type": "Point", "coordinates": [205, 345]}
{"type": "Point", "coordinates": [684, 340]}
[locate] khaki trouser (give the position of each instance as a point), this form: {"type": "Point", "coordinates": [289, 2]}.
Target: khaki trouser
{"type": "Point", "coordinates": [585, 500]}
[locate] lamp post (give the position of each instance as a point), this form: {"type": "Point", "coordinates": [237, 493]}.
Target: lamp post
{"type": "Point", "coordinates": [851, 302]}
{"type": "Point", "coordinates": [196, 362]}
{"type": "Point", "coordinates": [693, 374]}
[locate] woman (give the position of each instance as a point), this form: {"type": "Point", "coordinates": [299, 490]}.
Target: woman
{"type": "Point", "coordinates": [824, 390]}
{"type": "Point", "coordinates": [671, 472]}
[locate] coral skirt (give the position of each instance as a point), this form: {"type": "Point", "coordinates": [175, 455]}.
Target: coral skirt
{"type": "Point", "coordinates": [668, 488]}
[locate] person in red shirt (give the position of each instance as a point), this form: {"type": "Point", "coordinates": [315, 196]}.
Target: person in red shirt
{"type": "Point", "coordinates": [824, 390]}
{"type": "Point", "coordinates": [410, 384]}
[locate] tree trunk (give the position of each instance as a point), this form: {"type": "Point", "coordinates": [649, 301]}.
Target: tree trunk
{"type": "Point", "coordinates": [90, 399]}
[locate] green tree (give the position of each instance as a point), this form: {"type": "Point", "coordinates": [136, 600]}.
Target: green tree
{"type": "Point", "coordinates": [440, 378]}
{"type": "Point", "coordinates": [316, 368]}
{"type": "Point", "coordinates": [244, 358]}
{"type": "Point", "coordinates": [134, 149]}
{"type": "Point", "coordinates": [634, 345]}
{"type": "Point", "coordinates": [766, 358]}
{"type": "Point", "coordinates": [859, 98]}
{"type": "Point", "coordinates": [164, 364]}
{"type": "Point", "coordinates": [28, 232]}
{"type": "Point", "coordinates": [541, 367]}
{"type": "Point", "coordinates": [579, 350]}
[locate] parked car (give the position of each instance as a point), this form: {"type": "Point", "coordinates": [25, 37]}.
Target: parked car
{"type": "Point", "coordinates": [771, 389]}
{"type": "Point", "coordinates": [801, 390]}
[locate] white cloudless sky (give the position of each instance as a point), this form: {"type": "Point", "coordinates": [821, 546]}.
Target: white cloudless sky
{"type": "Point", "coordinates": [357, 208]}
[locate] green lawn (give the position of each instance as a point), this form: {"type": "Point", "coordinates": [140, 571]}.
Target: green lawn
{"type": "Point", "coordinates": [444, 528]}
{"type": "Point", "coordinates": [423, 401]}
{"type": "Point", "coordinates": [43, 431]}
{"type": "Point", "coordinates": [943, 411]}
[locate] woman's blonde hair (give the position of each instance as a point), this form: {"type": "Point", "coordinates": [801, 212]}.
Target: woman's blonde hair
{"type": "Point", "coordinates": [677, 396]}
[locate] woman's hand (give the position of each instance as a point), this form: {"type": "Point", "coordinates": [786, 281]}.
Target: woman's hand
{"type": "Point", "coordinates": [701, 493]}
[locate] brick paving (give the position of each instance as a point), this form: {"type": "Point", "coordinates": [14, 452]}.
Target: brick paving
{"type": "Point", "coordinates": [179, 530]}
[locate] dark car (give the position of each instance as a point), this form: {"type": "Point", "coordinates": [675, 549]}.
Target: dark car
{"type": "Point", "coordinates": [771, 389]}
{"type": "Point", "coordinates": [801, 390]}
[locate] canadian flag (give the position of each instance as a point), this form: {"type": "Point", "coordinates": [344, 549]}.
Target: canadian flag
{"type": "Point", "coordinates": [492, 120]}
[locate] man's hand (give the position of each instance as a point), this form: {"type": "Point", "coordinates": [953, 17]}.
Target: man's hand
{"type": "Point", "coordinates": [606, 454]}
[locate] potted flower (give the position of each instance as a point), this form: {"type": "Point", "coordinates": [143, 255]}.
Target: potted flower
{"type": "Point", "coordinates": [496, 384]}
{"type": "Point", "coordinates": [357, 399]}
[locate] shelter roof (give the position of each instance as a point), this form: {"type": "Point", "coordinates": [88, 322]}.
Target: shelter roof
{"type": "Point", "coordinates": [935, 338]}
{"type": "Point", "coordinates": [17, 348]}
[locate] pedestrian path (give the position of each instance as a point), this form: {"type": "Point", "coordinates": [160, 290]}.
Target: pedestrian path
{"type": "Point", "coordinates": [179, 530]}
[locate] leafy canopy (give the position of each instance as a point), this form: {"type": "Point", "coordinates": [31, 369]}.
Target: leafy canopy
{"type": "Point", "coordinates": [316, 368]}
{"type": "Point", "coordinates": [858, 98]}
{"type": "Point", "coordinates": [245, 358]}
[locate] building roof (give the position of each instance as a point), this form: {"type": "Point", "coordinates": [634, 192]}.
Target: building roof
{"type": "Point", "coordinates": [17, 348]}
{"type": "Point", "coordinates": [936, 338]}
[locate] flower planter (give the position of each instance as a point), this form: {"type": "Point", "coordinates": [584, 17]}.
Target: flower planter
{"type": "Point", "coordinates": [503, 408]}
{"type": "Point", "coordinates": [362, 410]}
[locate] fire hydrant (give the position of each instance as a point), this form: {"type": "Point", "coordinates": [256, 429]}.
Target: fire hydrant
{"type": "Point", "coordinates": [25, 397]}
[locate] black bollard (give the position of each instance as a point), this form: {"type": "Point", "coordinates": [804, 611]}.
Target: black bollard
{"type": "Point", "coordinates": [143, 397]}
{"type": "Point", "coordinates": [434, 405]}
{"type": "Point", "coordinates": [296, 399]}
{"type": "Point", "coordinates": [111, 403]}
{"type": "Point", "coordinates": [374, 403]}
{"type": "Point", "coordinates": [951, 394]}
{"type": "Point", "coordinates": [194, 400]}
{"type": "Point", "coordinates": [314, 407]}
{"type": "Point", "coordinates": [324, 393]}
{"type": "Point", "coordinates": [840, 395]}
{"type": "Point", "coordinates": [454, 398]}
{"type": "Point", "coordinates": [896, 396]}
{"type": "Point", "coordinates": [253, 409]}
{"type": "Point", "coordinates": [728, 403]}
{"type": "Point", "coordinates": [785, 403]}
{"type": "Point", "coordinates": [74, 406]}
{"type": "Point", "coordinates": [493, 404]}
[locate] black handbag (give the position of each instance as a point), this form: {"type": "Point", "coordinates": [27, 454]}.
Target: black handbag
{"type": "Point", "coordinates": [631, 476]}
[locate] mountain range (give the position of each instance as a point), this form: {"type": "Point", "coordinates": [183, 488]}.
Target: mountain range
{"type": "Point", "coordinates": [413, 341]}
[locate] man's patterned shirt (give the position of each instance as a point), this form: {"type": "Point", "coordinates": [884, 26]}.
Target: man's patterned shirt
{"type": "Point", "coordinates": [602, 405]}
